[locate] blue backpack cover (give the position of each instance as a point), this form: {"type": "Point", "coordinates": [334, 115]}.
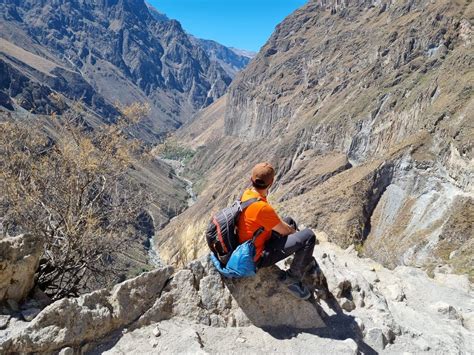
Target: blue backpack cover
{"type": "Point", "coordinates": [241, 262]}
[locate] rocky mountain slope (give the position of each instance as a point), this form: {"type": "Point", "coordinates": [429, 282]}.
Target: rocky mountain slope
{"type": "Point", "coordinates": [366, 109]}
{"type": "Point", "coordinates": [230, 59]}
{"type": "Point", "coordinates": [369, 309]}
{"type": "Point", "coordinates": [104, 52]}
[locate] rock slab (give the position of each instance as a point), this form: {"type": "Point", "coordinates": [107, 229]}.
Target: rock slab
{"type": "Point", "coordinates": [73, 321]}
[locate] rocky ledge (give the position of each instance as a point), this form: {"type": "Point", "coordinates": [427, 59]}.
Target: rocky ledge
{"type": "Point", "coordinates": [367, 309]}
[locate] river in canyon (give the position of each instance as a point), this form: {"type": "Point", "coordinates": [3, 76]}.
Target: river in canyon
{"type": "Point", "coordinates": [178, 167]}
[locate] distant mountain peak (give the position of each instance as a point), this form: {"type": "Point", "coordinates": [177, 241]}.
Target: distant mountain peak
{"type": "Point", "coordinates": [157, 15]}
{"type": "Point", "coordinates": [232, 60]}
{"type": "Point", "coordinates": [243, 52]}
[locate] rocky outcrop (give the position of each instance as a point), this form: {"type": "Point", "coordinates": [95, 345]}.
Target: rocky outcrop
{"type": "Point", "coordinates": [196, 293]}
{"type": "Point", "coordinates": [367, 309]}
{"type": "Point", "coordinates": [403, 303]}
{"type": "Point", "coordinates": [200, 294]}
{"type": "Point", "coordinates": [73, 321]}
{"type": "Point", "coordinates": [19, 259]}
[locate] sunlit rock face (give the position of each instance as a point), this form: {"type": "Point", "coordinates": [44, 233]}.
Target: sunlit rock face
{"type": "Point", "coordinates": [366, 308]}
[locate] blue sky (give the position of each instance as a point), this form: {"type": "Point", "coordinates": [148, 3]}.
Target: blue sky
{"type": "Point", "coordinates": [244, 24]}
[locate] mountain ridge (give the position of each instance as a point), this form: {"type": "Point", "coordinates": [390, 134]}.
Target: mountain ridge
{"type": "Point", "coordinates": [232, 60]}
{"type": "Point", "coordinates": [122, 53]}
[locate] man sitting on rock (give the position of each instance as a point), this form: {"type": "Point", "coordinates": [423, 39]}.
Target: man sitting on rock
{"type": "Point", "coordinates": [280, 237]}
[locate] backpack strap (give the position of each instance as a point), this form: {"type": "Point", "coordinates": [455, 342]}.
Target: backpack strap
{"type": "Point", "coordinates": [244, 205]}
{"type": "Point", "coordinates": [257, 233]}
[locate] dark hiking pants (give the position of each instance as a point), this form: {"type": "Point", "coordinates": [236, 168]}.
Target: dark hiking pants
{"type": "Point", "coordinates": [301, 244]}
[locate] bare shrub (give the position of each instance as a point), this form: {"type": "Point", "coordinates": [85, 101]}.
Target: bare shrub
{"type": "Point", "coordinates": [74, 190]}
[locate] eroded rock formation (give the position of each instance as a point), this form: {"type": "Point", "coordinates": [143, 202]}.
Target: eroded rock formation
{"type": "Point", "coordinates": [19, 259]}
{"type": "Point", "coordinates": [74, 321]}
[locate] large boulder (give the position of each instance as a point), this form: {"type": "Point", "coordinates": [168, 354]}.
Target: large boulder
{"type": "Point", "coordinates": [265, 300]}
{"type": "Point", "coordinates": [73, 321]}
{"type": "Point", "coordinates": [19, 259]}
{"type": "Point", "coordinates": [197, 294]}
{"type": "Point", "coordinates": [200, 294]}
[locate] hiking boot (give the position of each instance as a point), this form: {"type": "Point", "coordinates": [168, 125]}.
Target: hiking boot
{"type": "Point", "coordinates": [299, 290]}
{"type": "Point", "coordinates": [287, 277]}
{"type": "Point", "coordinates": [295, 287]}
{"type": "Point", "coordinates": [313, 272]}
{"type": "Point", "coordinates": [313, 267]}
{"type": "Point", "coordinates": [314, 277]}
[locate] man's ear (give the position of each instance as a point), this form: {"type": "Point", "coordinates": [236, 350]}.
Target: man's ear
{"type": "Point", "coordinates": [269, 186]}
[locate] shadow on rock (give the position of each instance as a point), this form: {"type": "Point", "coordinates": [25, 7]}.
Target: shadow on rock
{"type": "Point", "coordinates": [267, 303]}
{"type": "Point", "coordinates": [342, 326]}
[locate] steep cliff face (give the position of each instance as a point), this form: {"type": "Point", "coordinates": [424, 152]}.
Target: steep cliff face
{"type": "Point", "coordinates": [365, 69]}
{"type": "Point", "coordinates": [366, 110]}
{"type": "Point", "coordinates": [109, 51]}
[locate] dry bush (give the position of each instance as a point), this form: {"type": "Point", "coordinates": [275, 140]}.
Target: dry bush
{"type": "Point", "coordinates": [74, 190]}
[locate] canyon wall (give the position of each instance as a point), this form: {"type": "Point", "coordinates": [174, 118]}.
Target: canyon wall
{"type": "Point", "coordinates": [365, 109]}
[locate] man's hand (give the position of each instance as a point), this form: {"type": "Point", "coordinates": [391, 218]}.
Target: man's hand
{"type": "Point", "coordinates": [284, 229]}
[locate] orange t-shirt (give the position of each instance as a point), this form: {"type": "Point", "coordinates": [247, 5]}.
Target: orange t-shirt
{"type": "Point", "coordinates": [258, 214]}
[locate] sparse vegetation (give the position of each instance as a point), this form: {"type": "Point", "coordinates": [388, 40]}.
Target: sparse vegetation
{"type": "Point", "coordinates": [172, 149]}
{"type": "Point", "coordinates": [74, 191]}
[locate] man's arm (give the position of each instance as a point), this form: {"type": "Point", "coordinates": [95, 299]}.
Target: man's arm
{"type": "Point", "coordinates": [270, 220]}
{"type": "Point", "coordinates": [284, 229]}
